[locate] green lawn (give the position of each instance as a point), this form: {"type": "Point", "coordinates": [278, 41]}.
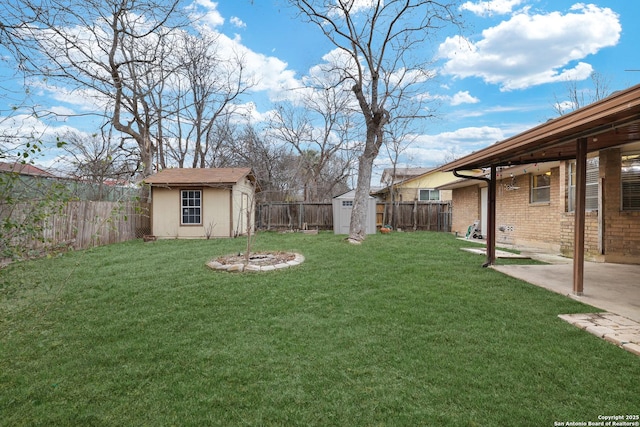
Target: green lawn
{"type": "Point", "coordinates": [405, 329]}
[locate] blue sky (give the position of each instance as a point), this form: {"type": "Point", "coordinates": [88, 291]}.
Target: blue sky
{"type": "Point", "coordinates": [483, 99]}
{"type": "Point", "coordinates": [501, 79]}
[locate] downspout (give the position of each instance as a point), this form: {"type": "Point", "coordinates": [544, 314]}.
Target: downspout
{"type": "Point", "coordinates": [491, 221]}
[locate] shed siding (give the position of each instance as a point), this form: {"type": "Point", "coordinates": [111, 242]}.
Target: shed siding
{"type": "Point", "coordinates": [166, 214]}
{"type": "Point", "coordinates": [243, 203]}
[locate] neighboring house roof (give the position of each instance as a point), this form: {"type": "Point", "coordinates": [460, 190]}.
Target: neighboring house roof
{"type": "Point", "coordinates": [199, 177]}
{"type": "Point", "coordinates": [414, 181]}
{"type": "Point", "coordinates": [24, 169]}
{"type": "Point", "coordinates": [401, 174]}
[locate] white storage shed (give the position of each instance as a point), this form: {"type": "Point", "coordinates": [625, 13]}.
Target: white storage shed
{"type": "Point", "coordinates": [342, 207]}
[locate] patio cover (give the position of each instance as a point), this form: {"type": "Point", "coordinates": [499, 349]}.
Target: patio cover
{"type": "Point", "coordinates": [610, 122]}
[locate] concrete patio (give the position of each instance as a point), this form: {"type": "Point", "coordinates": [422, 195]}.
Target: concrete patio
{"type": "Point", "coordinates": [611, 287]}
{"type": "Point", "coordinates": [614, 288]}
{"type": "Point", "coordinates": [607, 286]}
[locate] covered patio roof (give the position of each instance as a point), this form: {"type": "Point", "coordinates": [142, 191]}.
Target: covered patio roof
{"type": "Point", "coordinates": [610, 122]}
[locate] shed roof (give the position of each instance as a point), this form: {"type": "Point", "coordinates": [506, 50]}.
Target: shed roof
{"type": "Point", "coordinates": [610, 122]}
{"type": "Point", "coordinates": [199, 176]}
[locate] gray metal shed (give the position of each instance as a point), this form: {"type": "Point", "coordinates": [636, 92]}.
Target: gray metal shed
{"type": "Point", "coordinates": [342, 207]}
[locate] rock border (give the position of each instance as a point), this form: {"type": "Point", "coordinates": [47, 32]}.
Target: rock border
{"type": "Point", "coordinates": [616, 329]}
{"type": "Point", "coordinates": [242, 267]}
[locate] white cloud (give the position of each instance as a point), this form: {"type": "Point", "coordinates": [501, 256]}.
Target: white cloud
{"type": "Point", "coordinates": [237, 22]}
{"type": "Point", "coordinates": [488, 8]}
{"type": "Point", "coordinates": [354, 6]}
{"type": "Point", "coordinates": [529, 50]}
{"type": "Point", "coordinates": [431, 150]}
{"type": "Point", "coordinates": [479, 112]}
{"type": "Point", "coordinates": [463, 97]}
{"type": "Point", "coordinates": [212, 16]}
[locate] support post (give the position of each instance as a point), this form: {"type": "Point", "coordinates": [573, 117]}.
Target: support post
{"type": "Point", "coordinates": [491, 220]}
{"type": "Point", "coordinates": [579, 223]}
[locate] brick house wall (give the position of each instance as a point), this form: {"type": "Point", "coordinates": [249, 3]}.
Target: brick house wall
{"type": "Point", "coordinates": [518, 221]}
{"type": "Point", "coordinates": [567, 221]}
{"type": "Point", "coordinates": [612, 235]}
{"type": "Point", "coordinates": [591, 246]}
{"type": "Point", "coordinates": [621, 230]}
{"type": "Point", "coordinates": [465, 208]}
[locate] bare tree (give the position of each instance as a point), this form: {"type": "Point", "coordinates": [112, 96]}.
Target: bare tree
{"type": "Point", "coordinates": [108, 49]}
{"type": "Point", "coordinates": [577, 97]}
{"type": "Point", "coordinates": [270, 161]}
{"type": "Point", "coordinates": [319, 131]}
{"type": "Point", "coordinates": [398, 140]}
{"type": "Point", "coordinates": [96, 159]}
{"type": "Point", "coordinates": [207, 86]}
{"type": "Point", "coordinates": [377, 40]}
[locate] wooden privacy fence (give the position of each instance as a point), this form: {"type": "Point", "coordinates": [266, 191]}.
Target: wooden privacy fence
{"type": "Point", "coordinates": [280, 215]}
{"type": "Point", "coordinates": [418, 215]}
{"type": "Point", "coordinates": [84, 224]}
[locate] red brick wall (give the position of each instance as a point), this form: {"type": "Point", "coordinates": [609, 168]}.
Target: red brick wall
{"type": "Point", "coordinates": [591, 251]}
{"type": "Point", "coordinates": [523, 223]}
{"type": "Point", "coordinates": [621, 234]}
{"type": "Point", "coordinates": [549, 225]}
{"type": "Point", "coordinates": [465, 208]}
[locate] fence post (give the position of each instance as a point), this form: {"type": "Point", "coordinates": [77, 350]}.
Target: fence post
{"type": "Point", "coordinates": [300, 216]}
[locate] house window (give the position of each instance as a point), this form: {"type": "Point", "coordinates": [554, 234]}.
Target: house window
{"type": "Point", "coordinates": [541, 188]}
{"type": "Point", "coordinates": [191, 207]}
{"type": "Point", "coordinates": [593, 172]}
{"type": "Point", "coordinates": [347, 203]}
{"type": "Point", "coordinates": [630, 177]}
{"type": "Point", "coordinates": [429, 194]}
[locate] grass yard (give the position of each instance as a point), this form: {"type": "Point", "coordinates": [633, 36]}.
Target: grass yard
{"type": "Point", "coordinates": [403, 330]}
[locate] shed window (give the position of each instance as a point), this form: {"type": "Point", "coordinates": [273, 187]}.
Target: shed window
{"type": "Point", "coordinates": [593, 172]}
{"type": "Point", "coordinates": [630, 177]}
{"type": "Point", "coordinates": [541, 188]}
{"type": "Point", "coordinates": [347, 203]}
{"type": "Point", "coordinates": [429, 194]}
{"type": "Point", "coordinates": [191, 207]}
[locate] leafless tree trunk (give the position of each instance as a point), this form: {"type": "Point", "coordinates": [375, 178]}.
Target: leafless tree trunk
{"type": "Point", "coordinates": [376, 40]}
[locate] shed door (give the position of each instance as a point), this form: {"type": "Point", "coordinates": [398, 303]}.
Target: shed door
{"type": "Point", "coordinates": [346, 206]}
